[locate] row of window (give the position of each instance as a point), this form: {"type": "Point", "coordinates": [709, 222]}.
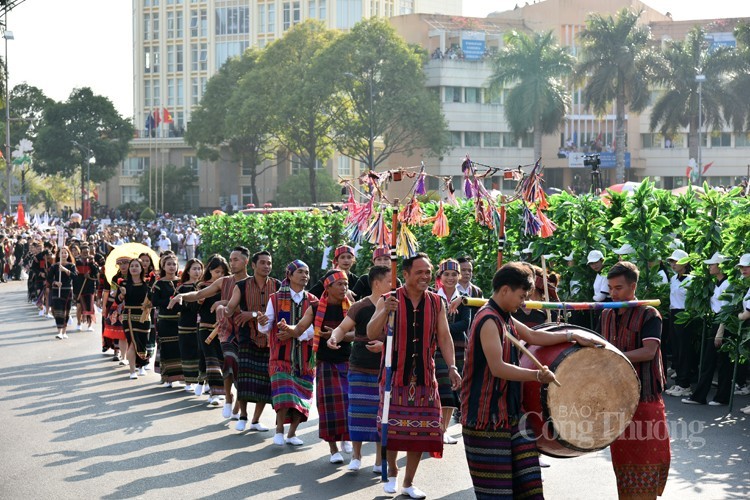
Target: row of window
{"type": "Point", "coordinates": [490, 140]}
{"type": "Point", "coordinates": [176, 58]}
{"type": "Point", "coordinates": [714, 139]}
{"type": "Point", "coordinates": [476, 95]}
{"type": "Point", "coordinates": [134, 166]}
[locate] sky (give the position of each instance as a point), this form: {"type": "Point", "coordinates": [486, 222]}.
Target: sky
{"type": "Point", "coordinates": [63, 44]}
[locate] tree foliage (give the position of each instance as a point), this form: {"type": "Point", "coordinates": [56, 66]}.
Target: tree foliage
{"type": "Point", "coordinates": [178, 181]}
{"type": "Point", "coordinates": [295, 190]}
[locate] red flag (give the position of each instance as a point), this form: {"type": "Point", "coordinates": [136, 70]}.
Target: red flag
{"type": "Point", "coordinates": [706, 167]}
{"type": "Point", "coordinates": [20, 216]}
{"type": "Point", "coordinates": [157, 118]}
{"type": "Point", "coordinates": [167, 117]}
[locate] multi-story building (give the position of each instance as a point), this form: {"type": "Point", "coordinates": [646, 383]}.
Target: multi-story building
{"type": "Point", "coordinates": [179, 44]}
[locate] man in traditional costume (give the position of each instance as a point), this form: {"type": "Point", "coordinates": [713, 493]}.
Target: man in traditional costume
{"type": "Point", "coordinates": [641, 455]}
{"type": "Point", "coordinates": [414, 421]}
{"type": "Point", "coordinates": [88, 276]}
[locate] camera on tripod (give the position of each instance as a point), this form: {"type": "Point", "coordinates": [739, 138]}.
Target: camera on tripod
{"type": "Point", "coordinates": [593, 161]}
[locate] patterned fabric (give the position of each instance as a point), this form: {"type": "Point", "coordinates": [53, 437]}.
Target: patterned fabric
{"type": "Point", "coordinates": [230, 352]}
{"type": "Point", "coordinates": [227, 330]}
{"type": "Point", "coordinates": [136, 332]}
{"type": "Point", "coordinates": [170, 358]}
{"type": "Point", "coordinates": [253, 382]}
{"type": "Point", "coordinates": [214, 360]}
{"type": "Point", "coordinates": [255, 298]}
{"type": "Point", "coordinates": [342, 250]}
{"type": "Point", "coordinates": [503, 463]}
{"type": "Point", "coordinates": [320, 313]}
{"type": "Point", "coordinates": [332, 397]}
{"type": "Point", "coordinates": [624, 332]}
{"type": "Point", "coordinates": [292, 391]}
{"type": "Point", "coordinates": [414, 420]}
{"type": "Point", "coordinates": [642, 465]}
{"type": "Point", "coordinates": [364, 398]}
{"type": "Point", "coordinates": [189, 353]}
{"type": "Point", "coordinates": [448, 397]}
{"type": "Point", "coordinates": [297, 355]}
{"type": "Point", "coordinates": [61, 307]}
{"type": "Point", "coordinates": [381, 252]}
{"type": "Point", "coordinates": [291, 267]}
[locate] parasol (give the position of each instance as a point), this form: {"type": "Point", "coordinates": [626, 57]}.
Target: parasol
{"type": "Point", "coordinates": [626, 187]}
{"type": "Point", "coordinates": [130, 250]}
{"type": "Point", "coordinates": [218, 212]}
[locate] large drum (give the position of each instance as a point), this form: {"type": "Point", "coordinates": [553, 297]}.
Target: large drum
{"type": "Point", "coordinates": [598, 396]}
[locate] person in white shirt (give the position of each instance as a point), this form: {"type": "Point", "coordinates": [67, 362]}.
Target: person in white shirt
{"type": "Point", "coordinates": [744, 316]}
{"type": "Point", "coordinates": [712, 343]}
{"type": "Point", "coordinates": [595, 261]}
{"type": "Point", "coordinates": [146, 239]}
{"type": "Point", "coordinates": [191, 241]}
{"type": "Point", "coordinates": [163, 243]}
{"type": "Point", "coordinates": [684, 357]}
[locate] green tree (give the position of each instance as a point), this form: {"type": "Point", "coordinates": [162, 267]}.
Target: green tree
{"type": "Point", "coordinates": [27, 105]}
{"type": "Point", "coordinates": [178, 181]}
{"type": "Point", "coordinates": [235, 111]}
{"type": "Point", "coordinates": [295, 190]}
{"type": "Point", "coordinates": [616, 64]}
{"type": "Point", "coordinates": [539, 100]}
{"type": "Point", "coordinates": [304, 103]}
{"type": "Point", "coordinates": [90, 120]}
{"type": "Point", "coordinates": [382, 85]}
{"type": "Point", "coordinates": [678, 105]}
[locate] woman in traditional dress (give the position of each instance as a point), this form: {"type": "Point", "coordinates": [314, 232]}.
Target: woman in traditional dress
{"type": "Point", "coordinates": [458, 322]}
{"type": "Point", "coordinates": [216, 268]}
{"type": "Point", "coordinates": [166, 328]}
{"type": "Point", "coordinates": [113, 331]}
{"type": "Point", "coordinates": [187, 325]}
{"type": "Point", "coordinates": [132, 294]}
{"type": "Point", "coordinates": [149, 274]}
{"type": "Point", "coordinates": [60, 279]}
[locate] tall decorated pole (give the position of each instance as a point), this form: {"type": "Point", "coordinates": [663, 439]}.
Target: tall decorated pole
{"type": "Point", "coordinates": [389, 350]}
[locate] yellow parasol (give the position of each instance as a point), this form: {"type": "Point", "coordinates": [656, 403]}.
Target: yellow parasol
{"type": "Point", "coordinates": [130, 251]}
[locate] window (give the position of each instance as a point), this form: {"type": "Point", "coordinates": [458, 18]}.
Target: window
{"type": "Point", "coordinates": [179, 58]}
{"type": "Point", "coordinates": [154, 26]}
{"type": "Point", "coordinates": [147, 60]}
{"type": "Point", "coordinates": [271, 18]}
{"type": "Point", "coordinates": [262, 18]}
{"type": "Point", "coordinates": [170, 25]}
{"type": "Point", "coordinates": [157, 93]}
{"type": "Point", "coordinates": [247, 196]}
{"type": "Point", "coordinates": [147, 93]}
{"type": "Point", "coordinates": [406, 7]}
{"type": "Point", "coordinates": [204, 23]}
{"type": "Point", "coordinates": [134, 166]}
{"type": "Point", "coordinates": [455, 138]}
{"type": "Point", "coordinates": [291, 14]}
{"type": "Point", "coordinates": [199, 57]}
{"type": "Point", "coordinates": [527, 140]}
{"type": "Point", "coordinates": [179, 22]}
{"type": "Point", "coordinates": [170, 58]}
{"type": "Point", "coordinates": [170, 91]}
{"type": "Point", "coordinates": [195, 91]}
{"type": "Point", "coordinates": [348, 13]}
{"type": "Point", "coordinates": [232, 20]}
{"type": "Point", "coordinates": [473, 94]}
{"type": "Point", "coordinates": [317, 9]}
{"type": "Point", "coordinates": [452, 94]}
{"type": "Point", "coordinates": [650, 141]}
{"type": "Point", "coordinates": [194, 21]}
{"type": "Point", "coordinates": [130, 194]}
{"type": "Point", "coordinates": [180, 92]}
{"type": "Point", "coordinates": [509, 141]}
{"type": "Point", "coordinates": [345, 166]}
{"type": "Point", "coordinates": [742, 140]}
{"type": "Point", "coordinates": [472, 139]}
{"type": "Point", "coordinates": [225, 50]}
{"type": "Point", "coordinates": [193, 163]}
{"type": "Point", "coordinates": [495, 97]}
{"type": "Point", "coordinates": [492, 139]}
{"type": "Point", "coordinates": [312, 9]}
{"type": "Point", "coordinates": [146, 26]}
{"type": "Point", "coordinates": [154, 59]}
{"type": "Point", "coordinates": [721, 139]}
{"type": "Point", "coordinates": [322, 9]}
{"type": "Point", "coordinates": [298, 167]}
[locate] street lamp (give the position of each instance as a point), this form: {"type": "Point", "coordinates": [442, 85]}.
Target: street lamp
{"type": "Point", "coordinates": [700, 79]}
{"type": "Point", "coordinates": [7, 35]}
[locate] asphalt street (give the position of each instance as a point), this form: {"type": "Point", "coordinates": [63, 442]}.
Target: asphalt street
{"type": "Point", "coordinates": [75, 426]}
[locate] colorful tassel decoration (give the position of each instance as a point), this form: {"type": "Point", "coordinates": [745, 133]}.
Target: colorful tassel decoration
{"type": "Point", "coordinates": [412, 213]}
{"type": "Point", "coordinates": [547, 226]}
{"type": "Point", "coordinates": [440, 223]}
{"type": "Point", "coordinates": [406, 243]}
{"type": "Point", "coordinates": [377, 232]}
{"type": "Point", "coordinates": [467, 188]}
{"type": "Point", "coordinates": [420, 188]}
{"type": "Point", "coordinates": [451, 193]}
{"type": "Point", "coordinates": [531, 224]}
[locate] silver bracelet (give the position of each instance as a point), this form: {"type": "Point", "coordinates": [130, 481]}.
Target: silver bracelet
{"type": "Point", "coordinates": [538, 379]}
{"type": "Point", "coordinates": [569, 336]}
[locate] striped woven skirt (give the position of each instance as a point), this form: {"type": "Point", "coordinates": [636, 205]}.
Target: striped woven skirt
{"type": "Point", "coordinates": [253, 381]}
{"type": "Point", "coordinates": [231, 353]}
{"type": "Point", "coordinates": [190, 353]}
{"type": "Point", "coordinates": [214, 359]}
{"type": "Point", "coordinates": [503, 463]}
{"type": "Point", "coordinates": [414, 420]}
{"type": "Point", "coordinates": [151, 344]}
{"type": "Point", "coordinates": [291, 390]}
{"type": "Point", "coordinates": [448, 397]}
{"type": "Point", "coordinates": [641, 455]}
{"type": "Point", "coordinates": [364, 399]}
{"type": "Point", "coordinates": [60, 307]}
{"type": "Point", "coordinates": [136, 332]}
{"type": "Point", "coordinates": [170, 360]}
{"type": "Point", "coordinates": [112, 325]}
{"type": "Point", "coordinates": [332, 398]}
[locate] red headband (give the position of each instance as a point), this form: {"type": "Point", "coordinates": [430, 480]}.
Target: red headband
{"type": "Point", "coordinates": [342, 250]}
{"type": "Point", "coordinates": [333, 278]}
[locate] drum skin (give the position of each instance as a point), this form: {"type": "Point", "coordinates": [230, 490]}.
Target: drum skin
{"type": "Point", "coordinates": [598, 396]}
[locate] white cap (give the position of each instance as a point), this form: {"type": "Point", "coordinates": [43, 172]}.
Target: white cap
{"type": "Point", "coordinates": [527, 249]}
{"type": "Point", "coordinates": [678, 255]}
{"type": "Point", "coordinates": [716, 258]}
{"type": "Point", "coordinates": [569, 257]}
{"type": "Point", "coordinates": [626, 249]}
{"type": "Point", "coordinates": [676, 244]}
{"type": "Point", "coordinates": [594, 256]}
{"type": "Point", "coordinates": [744, 261]}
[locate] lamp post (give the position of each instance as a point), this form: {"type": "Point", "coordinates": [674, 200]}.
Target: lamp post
{"type": "Point", "coordinates": [7, 35]}
{"type": "Point", "coordinates": [700, 79]}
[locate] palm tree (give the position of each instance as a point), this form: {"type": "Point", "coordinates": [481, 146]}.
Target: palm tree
{"type": "Point", "coordinates": [539, 100]}
{"type": "Point", "coordinates": [615, 64]}
{"type": "Point", "coordinates": [678, 105]}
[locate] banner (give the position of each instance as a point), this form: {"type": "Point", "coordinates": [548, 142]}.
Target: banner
{"type": "Point", "coordinates": [473, 45]}
{"type": "Point", "coordinates": [608, 159]}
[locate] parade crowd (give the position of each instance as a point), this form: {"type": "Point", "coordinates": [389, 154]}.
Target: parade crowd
{"type": "Point", "coordinates": [215, 330]}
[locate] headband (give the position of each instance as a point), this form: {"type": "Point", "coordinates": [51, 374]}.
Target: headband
{"type": "Point", "coordinates": [381, 252]}
{"type": "Point", "coordinates": [449, 265]}
{"type": "Point", "coordinates": [294, 265]}
{"type": "Point", "coordinates": [342, 250]}
{"type": "Point", "coordinates": [121, 260]}
{"type": "Point", "coordinates": [333, 278]}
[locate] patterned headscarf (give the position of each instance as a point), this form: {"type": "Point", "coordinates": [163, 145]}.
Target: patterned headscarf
{"type": "Point", "coordinates": [381, 252]}
{"type": "Point", "coordinates": [284, 294]}
{"type": "Point", "coordinates": [342, 250]}
{"type": "Point", "coordinates": [323, 304]}
{"type": "Point", "coordinates": [293, 266]}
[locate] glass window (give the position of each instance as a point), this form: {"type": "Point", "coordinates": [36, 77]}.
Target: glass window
{"type": "Point", "coordinates": [155, 26]}
{"type": "Point", "coordinates": [455, 138]}
{"type": "Point", "coordinates": [452, 94]}
{"type": "Point", "coordinates": [157, 93]}
{"type": "Point", "coordinates": [179, 58]}
{"type": "Point", "coordinates": [473, 94]}
{"type": "Point", "coordinates": [509, 141]}
{"type": "Point", "coordinates": [146, 26]}
{"type": "Point", "coordinates": [272, 18]}
{"type": "Point", "coordinates": [170, 58]}
{"type": "Point", "coordinates": [247, 196]}
{"type": "Point", "coordinates": [742, 140]}
{"type": "Point", "coordinates": [348, 13]}
{"type": "Point", "coordinates": [179, 23]}
{"type": "Point", "coordinates": [170, 91]}
{"type": "Point", "coordinates": [312, 9]}
{"type": "Point", "coordinates": [345, 166]}
{"type": "Point", "coordinates": [130, 194]}
{"type": "Point", "coordinates": [147, 93]}
{"type": "Point", "coordinates": [472, 139]}
{"type": "Point", "coordinates": [527, 140]}
{"type": "Point", "coordinates": [492, 139]}
{"type": "Point", "coordinates": [170, 25]}
{"type": "Point", "coordinates": [322, 9]}
{"type": "Point", "coordinates": [262, 18]}
{"type": "Point", "coordinates": [180, 92]}
{"type": "Point", "coordinates": [721, 139]}
{"type": "Point", "coordinates": [194, 21]}
{"type": "Point", "coordinates": [204, 23]}
{"type": "Point", "coordinates": [195, 91]}
{"type": "Point", "coordinates": [193, 163]}
{"type": "Point", "coordinates": [134, 166]}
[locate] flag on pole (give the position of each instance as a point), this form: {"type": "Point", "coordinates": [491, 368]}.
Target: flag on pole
{"type": "Point", "coordinates": [167, 116]}
{"type": "Point", "coordinates": [157, 118]}
{"type": "Point", "coordinates": [149, 122]}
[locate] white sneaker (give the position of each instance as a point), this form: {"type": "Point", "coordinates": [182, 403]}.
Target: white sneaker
{"type": "Point", "coordinates": [142, 372]}
{"type": "Point", "coordinates": [347, 447]}
{"type": "Point", "coordinates": [678, 391]}
{"type": "Point", "coordinates": [80, 328]}
{"type": "Point", "coordinates": [59, 336]}
{"type": "Point", "coordinates": [90, 328]}
{"type": "Point", "coordinates": [354, 465]}
{"type": "Point", "coordinates": [746, 410]}
{"type": "Point", "coordinates": [198, 389]}
{"type": "Point", "coordinates": [133, 376]}
{"type": "Point", "coordinates": [448, 439]}
{"type": "Point", "coordinates": [147, 367]}
{"type": "Point", "coordinates": [294, 441]}
{"type": "Point", "coordinates": [413, 492]}
{"type": "Point", "coordinates": [278, 439]}
{"type": "Point", "coordinates": [336, 458]}
{"type": "Point", "coordinates": [377, 469]}
{"type": "Point", "coordinates": [241, 425]}
{"type": "Point", "coordinates": [227, 411]}
{"type": "Point", "coordinates": [65, 335]}
{"type": "Point", "coordinates": [390, 486]}
{"type": "Point", "coordinates": [214, 400]}
{"type": "Point", "coordinates": [41, 312]}
{"type": "Point", "coordinates": [258, 427]}
{"type": "Point", "coordinates": [742, 391]}
{"type": "Point", "coordinates": [189, 388]}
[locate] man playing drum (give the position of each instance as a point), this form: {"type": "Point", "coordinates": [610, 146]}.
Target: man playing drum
{"type": "Point", "coordinates": [491, 391]}
{"type": "Point", "coordinates": [641, 455]}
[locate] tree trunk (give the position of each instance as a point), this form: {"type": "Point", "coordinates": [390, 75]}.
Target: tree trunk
{"type": "Point", "coordinates": [537, 139]}
{"type": "Point", "coordinates": [620, 133]}
{"type": "Point", "coordinates": [313, 178]}
{"type": "Point", "coordinates": [253, 162]}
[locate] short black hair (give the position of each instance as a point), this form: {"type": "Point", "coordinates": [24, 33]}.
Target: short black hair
{"type": "Point", "coordinates": [377, 272]}
{"type": "Point", "coordinates": [627, 269]}
{"type": "Point", "coordinates": [243, 250]}
{"type": "Point", "coordinates": [514, 275]}
{"type": "Point", "coordinates": [257, 255]}
{"type": "Point", "coordinates": [465, 258]}
{"type": "Point", "coordinates": [215, 261]}
{"type": "Point", "coordinates": [407, 263]}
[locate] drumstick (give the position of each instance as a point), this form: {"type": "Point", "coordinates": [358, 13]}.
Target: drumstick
{"type": "Point", "coordinates": [531, 356]}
